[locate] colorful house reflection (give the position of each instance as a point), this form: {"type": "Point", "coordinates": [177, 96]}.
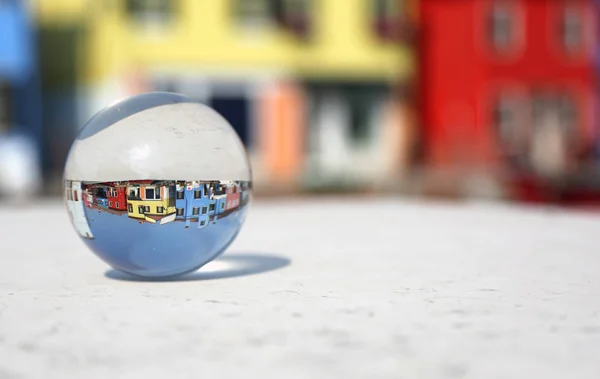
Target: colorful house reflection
{"type": "Point", "coordinates": [150, 200]}
{"type": "Point", "coordinates": [116, 197]}
{"type": "Point", "coordinates": [192, 203]}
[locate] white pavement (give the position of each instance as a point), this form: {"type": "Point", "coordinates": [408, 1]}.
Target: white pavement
{"type": "Point", "coordinates": [315, 289]}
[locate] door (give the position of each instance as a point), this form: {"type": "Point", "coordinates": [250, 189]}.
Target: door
{"type": "Point", "coordinates": [5, 105]}
{"type": "Point", "coordinates": [235, 109]}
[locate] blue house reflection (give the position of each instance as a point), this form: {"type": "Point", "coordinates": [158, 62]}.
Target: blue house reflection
{"type": "Point", "coordinates": [192, 203]}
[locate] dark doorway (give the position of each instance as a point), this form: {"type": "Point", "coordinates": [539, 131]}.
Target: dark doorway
{"type": "Point", "coordinates": [236, 110]}
{"type": "Point", "coordinates": [59, 51]}
{"type": "Point", "coordinates": [5, 107]}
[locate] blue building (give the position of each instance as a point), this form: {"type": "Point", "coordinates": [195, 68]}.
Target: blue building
{"type": "Point", "coordinates": [20, 87]}
{"type": "Point", "coordinates": [217, 198]}
{"type": "Point", "coordinates": [192, 202]}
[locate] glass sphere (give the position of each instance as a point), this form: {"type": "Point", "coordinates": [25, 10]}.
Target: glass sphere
{"type": "Point", "coordinates": [157, 185]}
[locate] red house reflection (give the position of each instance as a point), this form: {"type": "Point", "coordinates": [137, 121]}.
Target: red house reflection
{"type": "Point", "coordinates": [115, 195]}
{"type": "Point", "coordinates": [233, 197]}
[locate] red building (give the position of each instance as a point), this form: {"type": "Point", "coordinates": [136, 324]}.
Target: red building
{"type": "Point", "coordinates": [507, 83]}
{"type": "Point", "coordinates": [116, 197]}
{"type": "Point", "coordinates": [233, 197]}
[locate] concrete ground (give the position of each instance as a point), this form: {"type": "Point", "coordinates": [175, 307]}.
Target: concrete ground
{"type": "Point", "coordinates": [315, 289]}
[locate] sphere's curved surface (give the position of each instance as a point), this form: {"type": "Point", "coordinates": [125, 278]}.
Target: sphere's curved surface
{"type": "Point", "coordinates": [157, 185]}
{"type": "Point", "coordinates": [175, 138]}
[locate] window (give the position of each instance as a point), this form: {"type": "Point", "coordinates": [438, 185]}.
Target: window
{"type": "Point", "coordinates": [504, 117]}
{"type": "Point", "coordinates": [290, 15]}
{"type": "Point", "coordinates": [151, 12]}
{"type": "Point", "coordinates": [555, 131]}
{"type": "Point", "coordinates": [129, 208]}
{"type": "Point", "coordinates": [180, 195]}
{"type": "Point", "coordinates": [117, 204]}
{"type": "Point", "coordinates": [386, 18]}
{"type": "Point", "coordinates": [134, 194]}
{"type": "Point", "coordinates": [502, 26]}
{"type": "Point", "coordinates": [195, 211]}
{"type": "Point", "coordinates": [211, 207]}
{"type": "Point", "coordinates": [360, 118]}
{"type": "Point", "coordinates": [295, 17]}
{"type": "Point", "coordinates": [160, 209]}
{"type": "Point", "coordinates": [179, 211]}
{"type": "Point", "coordinates": [197, 194]}
{"type": "Point", "coordinates": [222, 205]}
{"type": "Point", "coordinates": [358, 104]}
{"type": "Point", "coordinates": [110, 203]}
{"type": "Point", "coordinates": [75, 198]}
{"type": "Point", "coordinates": [152, 193]}
{"type": "Point", "coordinates": [253, 14]}
{"type": "Point", "coordinates": [571, 30]}
{"type": "Point", "coordinates": [147, 209]}
{"type": "Point", "coordinates": [555, 108]}
{"type": "Point", "coordinates": [567, 111]}
{"type": "Point", "coordinates": [204, 210]}
{"type": "Point", "coordinates": [543, 108]}
{"type": "Point", "coordinates": [202, 223]}
{"type": "Point", "coordinates": [512, 125]}
{"type": "Point", "coordinates": [141, 209]}
{"type": "Point", "coordinates": [219, 189]}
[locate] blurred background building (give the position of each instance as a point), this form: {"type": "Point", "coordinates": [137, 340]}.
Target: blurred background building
{"type": "Point", "coordinates": [20, 103]}
{"type": "Point", "coordinates": [509, 95]}
{"type": "Point", "coordinates": [494, 98]}
{"type": "Point", "coordinates": [308, 85]}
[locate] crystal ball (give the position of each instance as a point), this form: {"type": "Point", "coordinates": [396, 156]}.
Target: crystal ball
{"type": "Point", "coordinates": [157, 185]}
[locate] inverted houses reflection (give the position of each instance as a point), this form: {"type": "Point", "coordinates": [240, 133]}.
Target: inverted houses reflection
{"type": "Point", "coordinates": [195, 203]}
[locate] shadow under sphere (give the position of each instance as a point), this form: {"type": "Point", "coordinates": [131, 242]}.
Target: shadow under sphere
{"type": "Point", "coordinates": [226, 266]}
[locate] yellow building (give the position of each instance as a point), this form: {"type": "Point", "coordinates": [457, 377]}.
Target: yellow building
{"type": "Point", "coordinates": [307, 84]}
{"type": "Point", "coordinates": [150, 202]}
